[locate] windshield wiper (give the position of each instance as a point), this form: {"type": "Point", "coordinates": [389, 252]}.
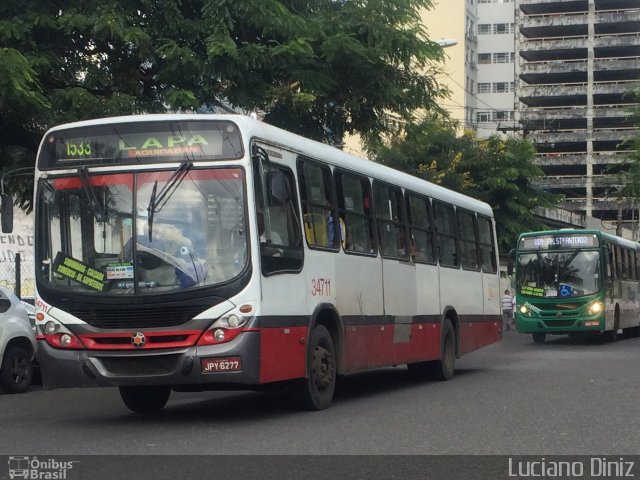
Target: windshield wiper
{"type": "Point", "coordinates": [97, 208]}
{"type": "Point", "coordinates": [157, 202]}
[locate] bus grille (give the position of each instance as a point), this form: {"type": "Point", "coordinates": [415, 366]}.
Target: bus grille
{"type": "Point", "coordinates": [150, 317]}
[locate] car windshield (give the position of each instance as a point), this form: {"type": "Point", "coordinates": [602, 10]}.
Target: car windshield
{"type": "Point", "coordinates": [558, 274]}
{"type": "Point", "coordinates": [142, 233]}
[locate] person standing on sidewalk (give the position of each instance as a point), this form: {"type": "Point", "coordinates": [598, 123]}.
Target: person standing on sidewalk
{"type": "Point", "coordinates": [507, 310]}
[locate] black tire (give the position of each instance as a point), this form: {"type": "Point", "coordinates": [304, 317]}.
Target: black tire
{"type": "Point", "coordinates": [145, 399]}
{"type": "Point", "coordinates": [612, 335]}
{"type": "Point", "coordinates": [539, 337]}
{"type": "Point", "coordinates": [444, 368]}
{"type": "Point", "coordinates": [16, 372]}
{"type": "Point", "coordinates": [315, 391]}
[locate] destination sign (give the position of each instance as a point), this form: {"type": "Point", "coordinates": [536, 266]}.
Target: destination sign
{"type": "Point", "coordinates": [548, 242]}
{"type": "Point", "coordinates": [141, 142]}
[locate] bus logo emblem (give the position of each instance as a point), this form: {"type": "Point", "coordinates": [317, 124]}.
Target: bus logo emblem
{"type": "Point", "coordinates": [138, 339]}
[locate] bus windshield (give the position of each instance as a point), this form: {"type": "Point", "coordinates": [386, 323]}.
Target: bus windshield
{"type": "Point", "coordinates": [558, 274]}
{"type": "Point", "coordinates": [141, 233]}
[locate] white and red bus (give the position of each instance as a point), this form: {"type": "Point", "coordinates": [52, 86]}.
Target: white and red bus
{"type": "Point", "coordinates": [201, 252]}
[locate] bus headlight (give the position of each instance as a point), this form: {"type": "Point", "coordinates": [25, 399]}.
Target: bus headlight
{"type": "Point", "coordinates": [595, 308]}
{"type": "Point", "coordinates": [524, 310]}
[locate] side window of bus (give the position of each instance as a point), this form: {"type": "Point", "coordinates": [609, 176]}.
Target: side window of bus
{"type": "Point", "coordinates": [354, 207]}
{"type": "Point", "coordinates": [421, 228]}
{"type": "Point", "coordinates": [316, 193]}
{"type": "Point", "coordinates": [279, 224]}
{"type": "Point", "coordinates": [619, 268]}
{"type": "Point", "coordinates": [446, 233]}
{"type": "Point", "coordinates": [611, 264]}
{"type": "Point", "coordinates": [392, 235]}
{"type": "Point", "coordinates": [468, 240]}
{"type": "Point", "coordinates": [487, 245]}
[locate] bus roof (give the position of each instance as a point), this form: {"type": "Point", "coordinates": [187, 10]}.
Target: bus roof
{"type": "Point", "coordinates": [599, 233]}
{"type": "Point", "coordinates": [311, 148]}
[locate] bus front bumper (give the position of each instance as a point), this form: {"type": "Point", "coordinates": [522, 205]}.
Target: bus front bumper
{"type": "Point", "coordinates": [183, 368]}
{"type": "Point", "coordinates": [567, 325]}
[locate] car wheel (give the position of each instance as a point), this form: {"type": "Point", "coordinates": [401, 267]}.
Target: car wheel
{"type": "Point", "coordinates": [16, 372]}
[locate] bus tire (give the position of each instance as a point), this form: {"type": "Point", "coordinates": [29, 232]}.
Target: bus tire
{"type": "Point", "coordinates": [315, 391]}
{"type": "Point", "coordinates": [147, 399]}
{"type": "Point", "coordinates": [444, 368]}
{"type": "Point", "coordinates": [16, 373]}
{"type": "Point", "coordinates": [612, 335]}
{"type": "Point", "coordinates": [539, 337]}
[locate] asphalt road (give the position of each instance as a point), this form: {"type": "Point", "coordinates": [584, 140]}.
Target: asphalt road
{"type": "Point", "coordinates": [512, 398]}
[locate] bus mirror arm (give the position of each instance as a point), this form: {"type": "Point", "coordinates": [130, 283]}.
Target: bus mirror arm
{"type": "Point", "coordinates": [7, 213]}
{"type": "Point", "coordinates": [512, 255]}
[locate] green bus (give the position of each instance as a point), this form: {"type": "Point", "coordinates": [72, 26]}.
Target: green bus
{"type": "Point", "coordinates": [576, 282]}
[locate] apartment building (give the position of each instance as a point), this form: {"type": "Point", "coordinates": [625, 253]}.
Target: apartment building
{"type": "Point", "coordinates": [490, 60]}
{"type": "Point", "coordinates": [578, 61]}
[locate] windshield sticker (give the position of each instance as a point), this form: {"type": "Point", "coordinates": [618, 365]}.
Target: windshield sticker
{"type": "Point", "coordinates": [532, 291]}
{"type": "Point", "coordinates": [116, 271]}
{"type": "Point", "coordinates": [76, 270]}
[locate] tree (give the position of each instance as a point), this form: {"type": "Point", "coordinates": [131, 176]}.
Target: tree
{"type": "Point", "coordinates": [322, 68]}
{"type": "Point", "coordinates": [497, 171]}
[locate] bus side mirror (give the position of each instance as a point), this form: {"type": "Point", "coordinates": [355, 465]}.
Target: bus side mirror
{"type": "Point", "coordinates": [512, 255]}
{"type": "Point", "coordinates": [7, 213]}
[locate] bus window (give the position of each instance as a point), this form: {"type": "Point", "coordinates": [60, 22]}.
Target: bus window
{"type": "Point", "coordinates": [389, 217]}
{"type": "Point", "coordinates": [468, 240]}
{"type": "Point", "coordinates": [279, 225]}
{"type": "Point", "coordinates": [487, 247]}
{"type": "Point", "coordinates": [446, 233]}
{"type": "Point", "coordinates": [354, 203]}
{"type": "Point", "coordinates": [316, 194]}
{"type": "Point", "coordinates": [421, 227]}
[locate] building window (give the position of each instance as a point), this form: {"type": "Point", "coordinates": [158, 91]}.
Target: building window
{"type": "Point", "coordinates": [502, 57]}
{"type": "Point", "coordinates": [483, 117]}
{"type": "Point", "coordinates": [484, 29]}
{"type": "Point", "coordinates": [484, 87]}
{"type": "Point", "coordinates": [503, 28]}
{"type": "Point", "coordinates": [503, 115]}
{"type": "Point", "coordinates": [501, 87]}
{"type": "Point", "coordinates": [484, 58]}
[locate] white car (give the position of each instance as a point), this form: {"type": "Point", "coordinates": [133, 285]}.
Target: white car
{"type": "Point", "coordinates": [17, 344]}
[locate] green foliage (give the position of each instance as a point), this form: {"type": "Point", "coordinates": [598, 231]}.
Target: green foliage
{"type": "Point", "coordinates": [320, 68]}
{"type": "Point", "coordinates": [495, 170]}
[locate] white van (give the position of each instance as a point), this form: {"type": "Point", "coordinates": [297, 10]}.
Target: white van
{"type": "Point", "coordinates": [17, 344]}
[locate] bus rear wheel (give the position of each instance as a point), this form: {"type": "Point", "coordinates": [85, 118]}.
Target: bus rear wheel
{"type": "Point", "coordinates": [315, 391]}
{"type": "Point", "coordinates": [145, 399]}
{"type": "Point", "coordinates": [444, 368]}
{"type": "Point", "coordinates": [539, 337]}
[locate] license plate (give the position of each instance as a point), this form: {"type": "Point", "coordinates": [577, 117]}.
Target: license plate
{"type": "Point", "coordinates": [221, 364]}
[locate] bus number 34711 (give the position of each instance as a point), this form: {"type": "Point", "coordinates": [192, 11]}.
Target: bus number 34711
{"type": "Point", "coordinates": [321, 287]}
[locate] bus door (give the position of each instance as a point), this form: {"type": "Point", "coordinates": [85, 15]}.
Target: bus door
{"type": "Point", "coordinates": [358, 274]}
{"type": "Point", "coordinates": [283, 312]}
{"type": "Point", "coordinates": [489, 266]}
{"type": "Point", "coordinates": [398, 273]}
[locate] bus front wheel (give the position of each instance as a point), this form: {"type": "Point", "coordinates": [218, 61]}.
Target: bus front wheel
{"type": "Point", "coordinates": [145, 399]}
{"type": "Point", "coordinates": [315, 391]}
{"type": "Point", "coordinates": [539, 337]}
